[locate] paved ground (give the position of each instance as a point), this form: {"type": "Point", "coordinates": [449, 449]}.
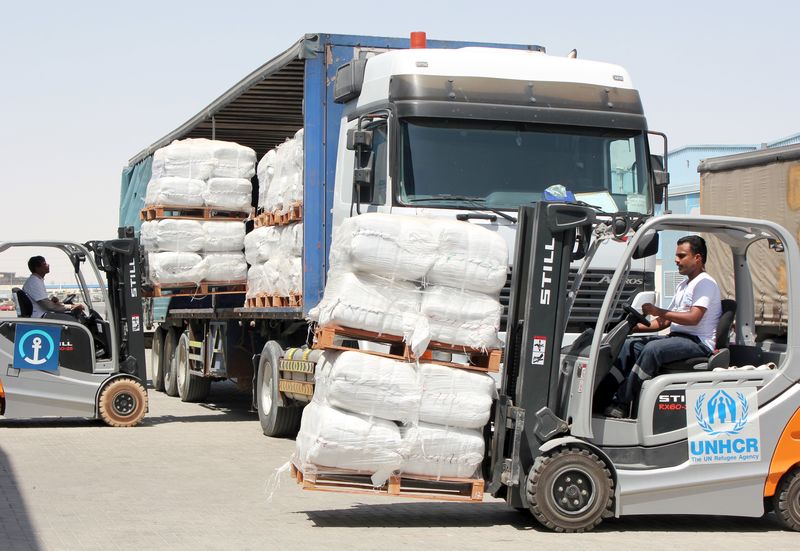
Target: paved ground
{"type": "Point", "coordinates": [199, 476]}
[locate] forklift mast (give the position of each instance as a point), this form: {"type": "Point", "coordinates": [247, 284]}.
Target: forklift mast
{"type": "Point", "coordinates": [120, 260]}
{"type": "Point", "coordinates": [549, 237]}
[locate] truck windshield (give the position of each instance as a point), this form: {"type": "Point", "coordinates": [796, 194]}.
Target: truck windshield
{"type": "Point", "coordinates": [505, 164]}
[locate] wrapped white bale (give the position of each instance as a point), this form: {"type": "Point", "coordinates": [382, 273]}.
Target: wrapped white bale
{"type": "Point", "coordinates": [174, 267]}
{"type": "Point", "coordinates": [434, 450]}
{"type": "Point", "coordinates": [225, 267]}
{"type": "Point", "coordinates": [291, 239]}
{"type": "Point", "coordinates": [179, 235]}
{"type": "Point", "coordinates": [369, 385]}
{"type": "Point", "coordinates": [147, 235]}
{"type": "Point", "coordinates": [228, 193]}
{"type": "Point", "coordinates": [296, 275]}
{"type": "Point", "coordinates": [330, 437]}
{"type": "Point", "coordinates": [201, 159]}
{"type": "Point", "coordinates": [261, 244]}
{"type": "Point", "coordinates": [256, 282]}
{"type": "Point", "coordinates": [461, 317]}
{"type": "Point", "coordinates": [469, 257]}
{"type": "Point", "coordinates": [174, 191]}
{"type": "Point", "coordinates": [223, 236]}
{"type": "Point", "coordinates": [389, 245]}
{"type": "Point", "coordinates": [371, 303]}
{"type": "Point", "coordinates": [265, 172]}
{"type": "Point", "coordinates": [455, 397]}
{"type": "Point", "coordinates": [278, 276]}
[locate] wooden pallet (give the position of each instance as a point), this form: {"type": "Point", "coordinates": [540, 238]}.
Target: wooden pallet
{"type": "Point", "coordinates": [161, 212]}
{"type": "Point", "coordinates": [266, 300]}
{"type": "Point", "coordinates": [324, 479]}
{"type": "Point", "coordinates": [330, 337]}
{"type": "Point", "coordinates": [195, 289]}
{"type": "Point", "coordinates": [294, 214]}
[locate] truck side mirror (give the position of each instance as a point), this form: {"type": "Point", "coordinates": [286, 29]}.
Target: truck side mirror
{"type": "Point", "coordinates": [360, 141]}
{"type": "Point", "coordinates": [660, 178]}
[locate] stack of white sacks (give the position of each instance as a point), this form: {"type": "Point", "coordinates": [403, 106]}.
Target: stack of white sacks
{"type": "Point", "coordinates": [275, 252]}
{"type": "Point", "coordinates": [424, 279]}
{"type": "Point", "coordinates": [195, 173]}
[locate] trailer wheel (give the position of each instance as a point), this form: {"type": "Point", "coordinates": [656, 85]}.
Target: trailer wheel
{"type": "Point", "coordinates": [570, 490]}
{"type": "Point", "coordinates": [170, 373]}
{"type": "Point", "coordinates": [157, 360]}
{"type": "Point", "coordinates": [786, 501]}
{"type": "Point", "coordinates": [191, 387]}
{"type": "Point", "coordinates": [122, 403]}
{"type": "Point", "coordinates": [276, 420]}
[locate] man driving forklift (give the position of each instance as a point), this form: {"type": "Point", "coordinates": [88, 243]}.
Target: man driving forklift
{"type": "Point", "coordinates": [692, 319]}
{"type": "Point", "coordinates": [34, 288]}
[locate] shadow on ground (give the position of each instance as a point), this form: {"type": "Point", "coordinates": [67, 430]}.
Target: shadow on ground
{"type": "Point", "coordinates": [481, 515]}
{"type": "Point", "coordinates": [16, 528]}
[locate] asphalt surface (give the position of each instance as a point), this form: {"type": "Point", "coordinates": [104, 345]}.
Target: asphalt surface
{"type": "Point", "coordinates": [201, 476]}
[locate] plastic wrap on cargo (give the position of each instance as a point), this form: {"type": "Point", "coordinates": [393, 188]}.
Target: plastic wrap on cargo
{"type": "Point", "coordinates": [147, 235]}
{"type": "Point", "coordinates": [265, 172]}
{"type": "Point", "coordinates": [455, 397]}
{"type": "Point", "coordinates": [278, 276]}
{"type": "Point", "coordinates": [225, 267]}
{"type": "Point", "coordinates": [221, 237]}
{"type": "Point", "coordinates": [296, 275]}
{"type": "Point", "coordinates": [371, 303]}
{"type": "Point", "coordinates": [369, 385]}
{"type": "Point", "coordinates": [174, 191]}
{"type": "Point", "coordinates": [434, 450]}
{"type": "Point", "coordinates": [330, 437]}
{"type": "Point", "coordinates": [389, 245]}
{"type": "Point", "coordinates": [469, 257]}
{"type": "Point", "coordinates": [179, 235]}
{"type": "Point", "coordinates": [291, 239]}
{"type": "Point", "coordinates": [201, 159]}
{"type": "Point", "coordinates": [256, 283]}
{"type": "Point", "coordinates": [174, 267]}
{"type": "Point", "coordinates": [261, 244]}
{"type": "Point", "coordinates": [281, 175]}
{"type": "Point", "coordinates": [461, 317]}
{"type": "Point", "coordinates": [228, 193]}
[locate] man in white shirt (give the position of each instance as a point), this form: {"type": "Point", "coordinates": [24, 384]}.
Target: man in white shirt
{"type": "Point", "coordinates": [692, 318]}
{"type": "Point", "coordinates": [36, 291]}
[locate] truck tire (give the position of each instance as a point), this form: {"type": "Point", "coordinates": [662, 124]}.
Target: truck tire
{"type": "Point", "coordinates": [786, 501]}
{"type": "Point", "coordinates": [191, 387]}
{"type": "Point", "coordinates": [122, 403]}
{"type": "Point", "coordinates": [276, 420]}
{"type": "Point", "coordinates": [570, 490]}
{"type": "Point", "coordinates": [170, 374]}
{"type": "Point", "coordinates": [157, 360]}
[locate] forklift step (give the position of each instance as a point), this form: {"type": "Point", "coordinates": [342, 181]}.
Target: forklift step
{"type": "Point", "coordinates": [161, 212]}
{"type": "Point", "coordinates": [325, 479]}
{"type": "Point", "coordinates": [268, 300]}
{"type": "Point", "coordinates": [275, 218]}
{"type": "Point", "coordinates": [331, 336]}
{"type": "Point", "coordinates": [195, 289]}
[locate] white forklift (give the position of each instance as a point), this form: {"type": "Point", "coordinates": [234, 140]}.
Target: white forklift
{"type": "Point", "coordinates": [87, 364]}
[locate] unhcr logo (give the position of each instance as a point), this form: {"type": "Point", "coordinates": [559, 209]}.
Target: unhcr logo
{"type": "Point", "coordinates": [725, 430]}
{"type": "Point", "coordinates": [725, 415]}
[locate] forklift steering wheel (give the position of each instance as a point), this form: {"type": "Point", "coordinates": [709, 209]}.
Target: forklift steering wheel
{"type": "Point", "coordinates": [636, 316]}
{"type": "Point", "coordinates": [70, 299]}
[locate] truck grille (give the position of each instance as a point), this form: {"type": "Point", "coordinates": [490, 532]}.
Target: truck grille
{"type": "Point", "coordinates": [587, 305]}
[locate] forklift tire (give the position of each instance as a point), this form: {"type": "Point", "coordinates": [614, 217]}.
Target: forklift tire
{"type": "Point", "coordinates": [276, 420]}
{"type": "Point", "coordinates": [157, 360]}
{"type": "Point", "coordinates": [191, 387]}
{"type": "Point", "coordinates": [570, 490]}
{"type": "Point", "coordinates": [170, 373]}
{"type": "Point", "coordinates": [122, 403]}
{"type": "Point", "coordinates": [786, 500]}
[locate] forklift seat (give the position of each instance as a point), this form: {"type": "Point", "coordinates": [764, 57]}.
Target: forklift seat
{"type": "Point", "coordinates": [23, 302]}
{"type": "Point", "coordinates": [721, 356]}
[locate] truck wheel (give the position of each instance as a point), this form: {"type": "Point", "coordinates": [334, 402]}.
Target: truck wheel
{"type": "Point", "coordinates": [570, 490]}
{"type": "Point", "coordinates": [275, 419]}
{"type": "Point", "coordinates": [191, 387]}
{"type": "Point", "coordinates": [170, 374]}
{"type": "Point", "coordinates": [157, 360]}
{"type": "Point", "coordinates": [122, 403]}
{"type": "Point", "coordinates": [786, 501]}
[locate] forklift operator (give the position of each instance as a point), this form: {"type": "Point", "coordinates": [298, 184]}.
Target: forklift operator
{"type": "Point", "coordinates": [692, 318]}
{"type": "Point", "coordinates": [35, 289]}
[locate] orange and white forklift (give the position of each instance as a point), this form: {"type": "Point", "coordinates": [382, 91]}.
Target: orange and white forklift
{"type": "Point", "coordinates": [707, 436]}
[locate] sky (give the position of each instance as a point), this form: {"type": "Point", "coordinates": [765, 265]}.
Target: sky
{"type": "Point", "coordinates": [86, 85]}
